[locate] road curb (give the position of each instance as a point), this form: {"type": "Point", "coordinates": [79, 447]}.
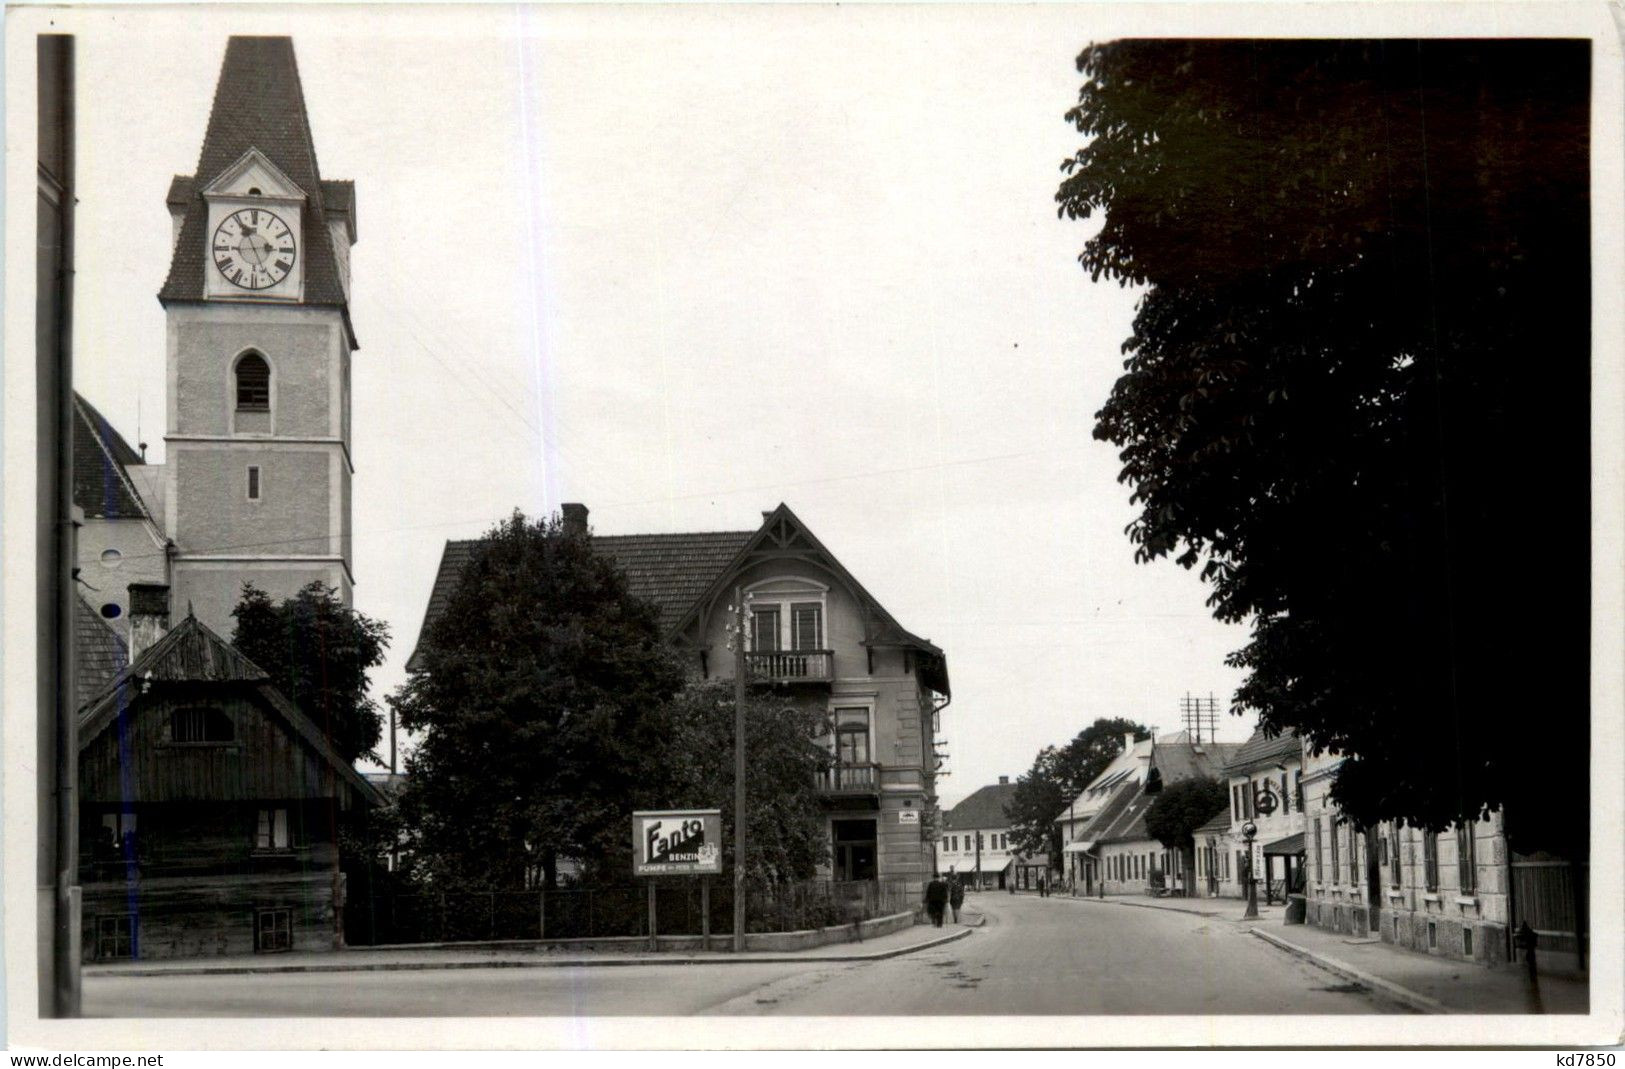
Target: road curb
{"type": "Point", "coordinates": [511, 963]}
{"type": "Point", "coordinates": [1403, 995]}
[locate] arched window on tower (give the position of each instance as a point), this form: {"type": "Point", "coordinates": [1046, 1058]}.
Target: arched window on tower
{"type": "Point", "coordinates": [253, 384]}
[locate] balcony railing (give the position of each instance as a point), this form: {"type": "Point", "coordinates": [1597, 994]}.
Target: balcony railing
{"type": "Point", "coordinates": [791, 666]}
{"type": "Point", "coordinates": [850, 779]}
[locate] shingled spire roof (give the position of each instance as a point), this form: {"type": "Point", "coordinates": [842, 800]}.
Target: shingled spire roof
{"type": "Point", "coordinates": [258, 104]}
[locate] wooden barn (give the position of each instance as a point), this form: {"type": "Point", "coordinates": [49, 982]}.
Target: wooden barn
{"type": "Point", "coordinates": [210, 806]}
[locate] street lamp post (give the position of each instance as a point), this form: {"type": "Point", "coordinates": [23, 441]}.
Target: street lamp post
{"type": "Point", "coordinates": [1248, 830]}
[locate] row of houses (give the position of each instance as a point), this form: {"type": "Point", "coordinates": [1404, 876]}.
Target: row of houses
{"type": "Point", "coordinates": [1460, 893]}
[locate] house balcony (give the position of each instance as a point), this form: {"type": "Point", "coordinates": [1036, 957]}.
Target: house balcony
{"type": "Point", "coordinates": [850, 786]}
{"type": "Point", "coordinates": [791, 666]}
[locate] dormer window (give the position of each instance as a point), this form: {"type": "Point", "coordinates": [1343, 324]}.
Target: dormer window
{"type": "Point", "coordinates": [253, 384]}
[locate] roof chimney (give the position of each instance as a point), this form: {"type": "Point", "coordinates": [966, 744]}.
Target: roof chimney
{"type": "Point", "coordinates": [1004, 780]}
{"type": "Point", "coordinates": [149, 616]}
{"type": "Point", "coordinates": [575, 518]}
{"type": "Point", "coordinates": [1128, 742]}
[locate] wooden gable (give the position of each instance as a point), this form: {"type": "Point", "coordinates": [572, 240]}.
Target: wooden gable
{"type": "Point", "coordinates": [193, 720]}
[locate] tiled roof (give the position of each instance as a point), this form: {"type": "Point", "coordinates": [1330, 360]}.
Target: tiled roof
{"type": "Point", "coordinates": [668, 570]}
{"type": "Point", "coordinates": [1105, 820]}
{"type": "Point", "coordinates": [100, 485]}
{"type": "Point", "coordinates": [1260, 750]}
{"type": "Point", "coordinates": [1218, 825]}
{"type": "Point", "coordinates": [1176, 758]}
{"type": "Point", "coordinates": [258, 104]}
{"type": "Point", "coordinates": [983, 809]}
{"type": "Point", "coordinates": [99, 652]}
{"type": "Point", "coordinates": [672, 570]}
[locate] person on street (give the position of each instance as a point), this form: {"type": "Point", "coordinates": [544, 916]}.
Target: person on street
{"type": "Point", "coordinates": [936, 898]}
{"type": "Point", "coordinates": [1043, 887]}
{"type": "Point", "coordinates": [956, 897]}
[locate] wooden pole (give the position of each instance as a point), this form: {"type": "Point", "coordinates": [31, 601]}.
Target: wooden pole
{"type": "Point", "coordinates": [705, 913]}
{"type": "Point", "coordinates": [652, 944]}
{"type": "Point", "coordinates": [739, 770]}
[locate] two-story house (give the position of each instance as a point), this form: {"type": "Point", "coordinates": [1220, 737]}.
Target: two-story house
{"type": "Point", "coordinates": [1265, 778]}
{"type": "Point", "coordinates": [974, 843]}
{"type": "Point", "coordinates": [1081, 866]}
{"type": "Point", "coordinates": [815, 630]}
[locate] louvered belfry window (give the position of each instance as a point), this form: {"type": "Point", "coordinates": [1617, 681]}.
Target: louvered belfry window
{"type": "Point", "coordinates": [253, 384]}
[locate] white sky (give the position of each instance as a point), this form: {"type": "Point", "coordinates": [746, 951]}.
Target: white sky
{"type": "Point", "coordinates": [683, 265]}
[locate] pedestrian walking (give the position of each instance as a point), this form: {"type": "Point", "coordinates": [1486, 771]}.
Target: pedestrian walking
{"type": "Point", "coordinates": [936, 899]}
{"type": "Point", "coordinates": [956, 897]}
{"type": "Point", "coordinates": [1043, 887]}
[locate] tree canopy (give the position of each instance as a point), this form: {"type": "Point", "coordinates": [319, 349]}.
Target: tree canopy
{"type": "Point", "coordinates": [530, 709]}
{"type": "Point", "coordinates": [1179, 809]}
{"type": "Point", "coordinates": [693, 765]}
{"type": "Point", "coordinates": [1057, 775]}
{"type": "Point", "coordinates": [1357, 390]}
{"type": "Point", "coordinates": [318, 652]}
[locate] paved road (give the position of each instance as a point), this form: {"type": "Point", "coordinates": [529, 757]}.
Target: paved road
{"type": "Point", "coordinates": [1034, 956]}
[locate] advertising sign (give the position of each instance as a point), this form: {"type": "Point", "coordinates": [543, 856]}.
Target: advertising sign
{"type": "Point", "coordinates": [908, 816]}
{"type": "Point", "coordinates": [677, 842]}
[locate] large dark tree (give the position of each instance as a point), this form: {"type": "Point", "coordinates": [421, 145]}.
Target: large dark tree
{"type": "Point", "coordinates": [530, 706]}
{"type": "Point", "coordinates": [1356, 392]}
{"type": "Point", "coordinates": [318, 652]}
{"type": "Point", "coordinates": [1057, 775]}
{"type": "Point", "coordinates": [1179, 808]}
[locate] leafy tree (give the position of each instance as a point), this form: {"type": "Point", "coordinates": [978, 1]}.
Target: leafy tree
{"type": "Point", "coordinates": [1057, 775]}
{"type": "Point", "coordinates": [1179, 809]}
{"type": "Point", "coordinates": [530, 706]}
{"type": "Point", "coordinates": [1357, 390]}
{"type": "Point", "coordinates": [690, 763]}
{"type": "Point", "coordinates": [318, 652]}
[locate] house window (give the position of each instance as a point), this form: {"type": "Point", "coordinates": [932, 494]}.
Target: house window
{"type": "Point", "coordinates": [273, 930]}
{"type": "Point", "coordinates": [118, 830]}
{"type": "Point", "coordinates": [253, 384]}
{"type": "Point", "coordinates": [852, 737]}
{"type": "Point", "coordinates": [1336, 868]}
{"type": "Point", "coordinates": [1297, 788]}
{"type": "Point", "coordinates": [764, 629]}
{"type": "Point", "coordinates": [1354, 854]}
{"type": "Point", "coordinates": [272, 833]}
{"type": "Point", "coordinates": [1466, 858]}
{"type": "Point", "coordinates": [1320, 852]}
{"type": "Point", "coordinates": [195, 723]}
{"type": "Point", "coordinates": [253, 482]}
{"type": "Point", "coordinates": [1396, 874]}
{"type": "Point", "coordinates": [1235, 802]}
{"type": "Point", "coordinates": [807, 626]}
{"type": "Point", "coordinates": [1286, 799]}
{"type": "Point", "coordinates": [1467, 942]}
{"type": "Point", "coordinates": [1430, 863]}
{"type": "Point", "coordinates": [116, 937]}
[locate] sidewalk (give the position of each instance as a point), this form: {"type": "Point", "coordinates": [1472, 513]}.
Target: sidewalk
{"type": "Point", "coordinates": [530, 956]}
{"type": "Point", "coordinates": [1425, 983]}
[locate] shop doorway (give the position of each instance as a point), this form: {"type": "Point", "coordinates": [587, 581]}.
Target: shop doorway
{"type": "Point", "coordinates": [854, 842]}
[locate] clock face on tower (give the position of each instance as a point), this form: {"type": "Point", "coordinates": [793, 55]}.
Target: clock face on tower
{"type": "Point", "coordinates": [253, 249]}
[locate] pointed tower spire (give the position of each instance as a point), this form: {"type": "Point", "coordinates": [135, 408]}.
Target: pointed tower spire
{"type": "Point", "coordinates": [259, 105]}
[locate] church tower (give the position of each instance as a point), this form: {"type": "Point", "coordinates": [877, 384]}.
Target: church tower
{"type": "Point", "coordinates": [259, 349]}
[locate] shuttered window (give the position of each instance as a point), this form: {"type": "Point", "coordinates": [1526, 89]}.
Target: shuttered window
{"type": "Point", "coordinates": [253, 384]}
{"type": "Point", "coordinates": [1430, 860]}
{"type": "Point", "coordinates": [1466, 858]}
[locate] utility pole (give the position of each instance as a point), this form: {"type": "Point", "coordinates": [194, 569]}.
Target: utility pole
{"type": "Point", "coordinates": [739, 770]}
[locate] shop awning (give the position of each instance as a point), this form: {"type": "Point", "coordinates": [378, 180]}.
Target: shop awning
{"type": "Point", "coordinates": [1290, 846]}
{"type": "Point", "coordinates": [1078, 847]}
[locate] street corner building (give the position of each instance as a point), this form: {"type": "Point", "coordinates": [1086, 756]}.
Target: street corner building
{"type": "Point", "coordinates": [974, 842]}
{"type": "Point", "coordinates": [209, 803]}
{"type": "Point", "coordinates": [818, 635]}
